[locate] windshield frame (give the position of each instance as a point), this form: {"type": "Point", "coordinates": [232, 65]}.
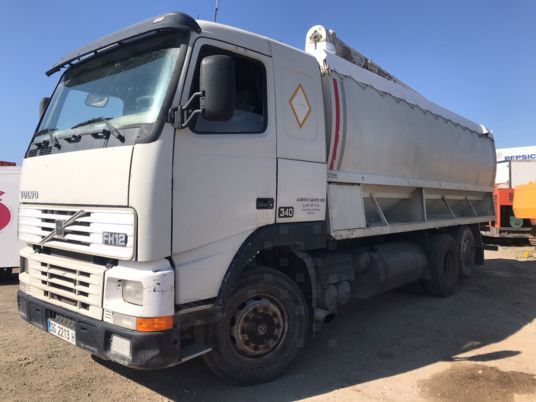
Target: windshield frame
{"type": "Point", "coordinates": [148, 132]}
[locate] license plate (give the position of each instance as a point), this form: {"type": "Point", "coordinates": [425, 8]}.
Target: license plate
{"type": "Point", "coordinates": [61, 331]}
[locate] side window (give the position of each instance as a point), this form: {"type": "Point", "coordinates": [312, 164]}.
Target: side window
{"type": "Point", "coordinates": [250, 103]}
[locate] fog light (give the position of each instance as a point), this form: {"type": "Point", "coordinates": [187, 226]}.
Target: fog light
{"type": "Point", "coordinates": [133, 292]}
{"type": "Point", "coordinates": [121, 346]}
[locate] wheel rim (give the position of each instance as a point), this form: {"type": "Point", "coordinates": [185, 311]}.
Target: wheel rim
{"type": "Point", "coordinates": [468, 252]}
{"type": "Point", "coordinates": [258, 326]}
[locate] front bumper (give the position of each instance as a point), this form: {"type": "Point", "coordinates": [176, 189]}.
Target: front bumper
{"type": "Point", "coordinates": [151, 350]}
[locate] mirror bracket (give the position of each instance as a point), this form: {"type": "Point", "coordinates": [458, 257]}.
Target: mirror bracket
{"type": "Point", "coordinates": [181, 116]}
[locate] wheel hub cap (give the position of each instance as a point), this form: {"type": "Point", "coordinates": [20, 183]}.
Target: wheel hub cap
{"type": "Point", "coordinates": [257, 327]}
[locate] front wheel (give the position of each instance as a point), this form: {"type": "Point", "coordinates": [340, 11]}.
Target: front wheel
{"type": "Point", "coordinates": [266, 324]}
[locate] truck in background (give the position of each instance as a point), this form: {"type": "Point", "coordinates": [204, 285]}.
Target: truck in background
{"type": "Point", "coordinates": [511, 173]}
{"type": "Point", "coordinates": [525, 207]}
{"type": "Point", "coordinates": [193, 189]}
{"type": "Point", "coordinates": [516, 153]}
{"type": "Point", "coordinates": [9, 199]}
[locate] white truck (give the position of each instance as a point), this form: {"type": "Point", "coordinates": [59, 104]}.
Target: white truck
{"type": "Point", "coordinates": [514, 172]}
{"type": "Point", "coordinates": [516, 153]}
{"type": "Point", "coordinates": [9, 199]}
{"type": "Point", "coordinates": [512, 167]}
{"type": "Point", "coordinates": [195, 189]}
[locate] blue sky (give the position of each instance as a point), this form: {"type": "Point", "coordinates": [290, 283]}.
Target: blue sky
{"type": "Point", "coordinates": [476, 57]}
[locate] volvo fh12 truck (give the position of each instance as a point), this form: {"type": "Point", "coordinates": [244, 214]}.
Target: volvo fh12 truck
{"type": "Point", "coordinates": [193, 189]}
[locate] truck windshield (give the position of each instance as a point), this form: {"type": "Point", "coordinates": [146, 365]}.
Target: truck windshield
{"type": "Point", "coordinates": [109, 97]}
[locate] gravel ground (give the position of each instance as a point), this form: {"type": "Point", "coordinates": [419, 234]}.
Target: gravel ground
{"type": "Point", "coordinates": [478, 345]}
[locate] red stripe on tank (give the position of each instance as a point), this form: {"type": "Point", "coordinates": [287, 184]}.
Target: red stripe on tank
{"type": "Point", "coordinates": [337, 124]}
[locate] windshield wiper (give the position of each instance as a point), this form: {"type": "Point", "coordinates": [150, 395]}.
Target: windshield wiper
{"type": "Point", "coordinates": [111, 128]}
{"type": "Point", "coordinates": [90, 121]}
{"type": "Point", "coordinates": [50, 136]}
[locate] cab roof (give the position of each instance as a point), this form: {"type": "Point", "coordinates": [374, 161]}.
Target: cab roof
{"type": "Point", "coordinates": [166, 22]}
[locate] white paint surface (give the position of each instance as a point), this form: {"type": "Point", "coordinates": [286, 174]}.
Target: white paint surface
{"type": "Point", "coordinates": [9, 196]}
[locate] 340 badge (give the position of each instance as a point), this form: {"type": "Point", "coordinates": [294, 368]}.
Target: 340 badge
{"type": "Point", "coordinates": [285, 212]}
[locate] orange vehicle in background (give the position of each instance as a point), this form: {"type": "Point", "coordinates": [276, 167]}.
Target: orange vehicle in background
{"type": "Point", "coordinates": [524, 207]}
{"type": "Point", "coordinates": [511, 176]}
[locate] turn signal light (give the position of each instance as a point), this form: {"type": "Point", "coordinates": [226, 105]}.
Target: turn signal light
{"type": "Point", "coordinates": [154, 324]}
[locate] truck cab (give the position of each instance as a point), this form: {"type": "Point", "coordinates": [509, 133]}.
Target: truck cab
{"type": "Point", "coordinates": [135, 198]}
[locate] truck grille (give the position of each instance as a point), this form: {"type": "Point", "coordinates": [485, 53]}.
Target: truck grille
{"type": "Point", "coordinates": [85, 235]}
{"type": "Point", "coordinates": [71, 284]}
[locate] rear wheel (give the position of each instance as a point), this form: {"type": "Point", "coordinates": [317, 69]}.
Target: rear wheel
{"type": "Point", "coordinates": [443, 265]}
{"type": "Point", "coordinates": [265, 325]}
{"type": "Point", "coordinates": [466, 245]}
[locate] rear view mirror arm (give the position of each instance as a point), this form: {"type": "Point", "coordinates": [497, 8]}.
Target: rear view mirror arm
{"type": "Point", "coordinates": [180, 116]}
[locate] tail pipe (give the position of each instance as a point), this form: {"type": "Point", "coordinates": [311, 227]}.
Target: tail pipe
{"type": "Point", "coordinates": [322, 315]}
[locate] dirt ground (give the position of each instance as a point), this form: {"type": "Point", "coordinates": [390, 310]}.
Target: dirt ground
{"type": "Point", "coordinates": [479, 345]}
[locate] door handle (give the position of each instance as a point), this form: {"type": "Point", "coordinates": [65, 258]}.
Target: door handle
{"type": "Point", "coordinates": [265, 203]}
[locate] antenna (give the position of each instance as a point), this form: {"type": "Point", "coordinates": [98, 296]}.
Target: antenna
{"type": "Point", "coordinates": [216, 6]}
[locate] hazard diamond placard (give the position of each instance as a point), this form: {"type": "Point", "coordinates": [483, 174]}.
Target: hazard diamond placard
{"type": "Point", "coordinates": [300, 105]}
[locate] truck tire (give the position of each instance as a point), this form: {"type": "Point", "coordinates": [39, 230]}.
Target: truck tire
{"type": "Point", "coordinates": [466, 245]}
{"type": "Point", "coordinates": [265, 325]}
{"type": "Point", "coordinates": [443, 265]}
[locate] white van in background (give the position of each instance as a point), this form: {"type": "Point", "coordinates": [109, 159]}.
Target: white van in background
{"type": "Point", "coordinates": [9, 245]}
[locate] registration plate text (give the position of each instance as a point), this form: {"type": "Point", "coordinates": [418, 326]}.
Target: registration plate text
{"type": "Point", "coordinates": [61, 331]}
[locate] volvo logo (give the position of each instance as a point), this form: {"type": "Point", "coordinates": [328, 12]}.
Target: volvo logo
{"type": "Point", "coordinates": [29, 195]}
{"type": "Point", "coordinates": [59, 230]}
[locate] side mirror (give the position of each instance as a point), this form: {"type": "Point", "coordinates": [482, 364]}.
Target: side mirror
{"type": "Point", "coordinates": [43, 103]}
{"type": "Point", "coordinates": [217, 82]}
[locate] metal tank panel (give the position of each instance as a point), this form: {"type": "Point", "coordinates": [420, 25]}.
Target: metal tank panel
{"type": "Point", "coordinates": [379, 134]}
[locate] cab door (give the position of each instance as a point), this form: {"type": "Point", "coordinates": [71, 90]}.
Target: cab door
{"type": "Point", "coordinates": [224, 173]}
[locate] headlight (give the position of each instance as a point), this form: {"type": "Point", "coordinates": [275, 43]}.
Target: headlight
{"type": "Point", "coordinates": [133, 292]}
